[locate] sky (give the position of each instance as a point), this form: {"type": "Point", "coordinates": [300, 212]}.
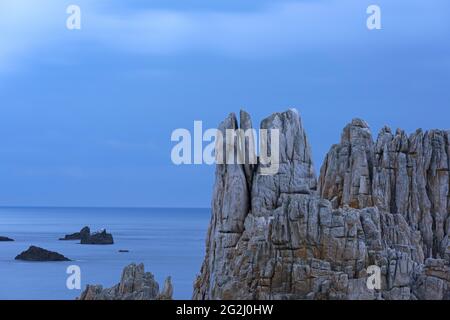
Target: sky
{"type": "Point", "coordinates": [86, 115]}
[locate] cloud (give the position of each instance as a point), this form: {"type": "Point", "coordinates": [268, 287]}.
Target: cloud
{"type": "Point", "coordinates": [274, 29]}
{"type": "Point", "coordinates": [25, 26]}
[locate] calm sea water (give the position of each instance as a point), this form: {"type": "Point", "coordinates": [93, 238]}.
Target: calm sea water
{"type": "Point", "coordinates": [168, 241]}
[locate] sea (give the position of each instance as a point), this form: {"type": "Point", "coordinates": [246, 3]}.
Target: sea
{"type": "Point", "coordinates": [169, 241]}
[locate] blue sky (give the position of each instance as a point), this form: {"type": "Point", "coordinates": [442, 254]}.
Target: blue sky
{"type": "Point", "coordinates": [86, 115]}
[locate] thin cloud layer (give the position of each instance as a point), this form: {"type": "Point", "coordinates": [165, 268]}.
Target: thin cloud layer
{"type": "Point", "coordinates": [276, 29]}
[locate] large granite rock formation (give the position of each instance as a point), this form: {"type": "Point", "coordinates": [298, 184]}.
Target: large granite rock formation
{"type": "Point", "coordinates": [397, 174]}
{"type": "Point", "coordinates": [135, 284]}
{"type": "Point", "coordinates": [39, 254]}
{"type": "Point", "coordinates": [285, 236]}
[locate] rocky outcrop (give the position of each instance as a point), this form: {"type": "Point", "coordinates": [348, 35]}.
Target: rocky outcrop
{"type": "Point", "coordinates": [101, 237]}
{"type": "Point", "coordinates": [348, 168]}
{"type": "Point", "coordinates": [286, 236]}
{"type": "Point", "coordinates": [135, 284]}
{"type": "Point", "coordinates": [434, 281]}
{"type": "Point", "coordinates": [167, 291]}
{"type": "Point", "coordinates": [86, 237]}
{"type": "Point", "coordinates": [5, 239]}
{"type": "Point", "coordinates": [397, 174]}
{"type": "Point", "coordinates": [84, 233]}
{"type": "Point", "coordinates": [38, 254]}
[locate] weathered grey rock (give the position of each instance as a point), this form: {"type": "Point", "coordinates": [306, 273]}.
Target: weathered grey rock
{"type": "Point", "coordinates": [85, 232]}
{"type": "Point", "coordinates": [101, 237]}
{"type": "Point", "coordinates": [5, 239]}
{"type": "Point", "coordinates": [289, 241]}
{"type": "Point", "coordinates": [345, 177]}
{"type": "Point", "coordinates": [38, 254]}
{"type": "Point", "coordinates": [398, 174]}
{"type": "Point", "coordinates": [167, 291]}
{"type": "Point", "coordinates": [296, 172]}
{"type": "Point", "coordinates": [434, 281]}
{"type": "Point", "coordinates": [135, 284]}
{"type": "Point", "coordinates": [230, 205]}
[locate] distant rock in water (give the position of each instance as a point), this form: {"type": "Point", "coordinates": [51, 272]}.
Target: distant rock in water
{"type": "Point", "coordinates": [86, 237]}
{"type": "Point", "coordinates": [124, 251]}
{"type": "Point", "coordinates": [85, 232]}
{"type": "Point", "coordinates": [5, 239]}
{"type": "Point", "coordinates": [101, 237]}
{"type": "Point", "coordinates": [38, 254]}
{"type": "Point", "coordinates": [135, 284]}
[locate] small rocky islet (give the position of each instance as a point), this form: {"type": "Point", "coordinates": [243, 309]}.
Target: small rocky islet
{"type": "Point", "coordinates": [98, 238]}
{"type": "Point", "coordinates": [84, 232]}
{"type": "Point", "coordinates": [86, 237]}
{"type": "Point", "coordinates": [5, 239]}
{"type": "Point", "coordinates": [34, 253]}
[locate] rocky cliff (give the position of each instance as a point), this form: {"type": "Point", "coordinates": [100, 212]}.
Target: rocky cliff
{"type": "Point", "coordinates": [380, 205]}
{"type": "Point", "coordinates": [398, 174]}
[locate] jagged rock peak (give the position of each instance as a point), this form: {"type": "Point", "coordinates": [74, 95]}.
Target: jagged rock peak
{"type": "Point", "coordinates": [355, 131]}
{"type": "Point", "coordinates": [294, 145]}
{"type": "Point", "coordinates": [295, 172]}
{"type": "Point", "coordinates": [235, 195]}
{"type": "Point", "coordinates": [398, 174]}
{"type": "Point", "coordinates": [345, 176]}
{"type": "Point", "coordinates": [248, 147]}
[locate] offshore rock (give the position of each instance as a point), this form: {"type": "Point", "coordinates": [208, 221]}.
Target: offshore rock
{"type": "Point", "coordinates": [101, 237]}
{"type": "Point", "coordinates": [85, 232]}
{"type": "Point", "coordinates": [39, 254]}
{"type": "Point", "coordinates": [278, 237]}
